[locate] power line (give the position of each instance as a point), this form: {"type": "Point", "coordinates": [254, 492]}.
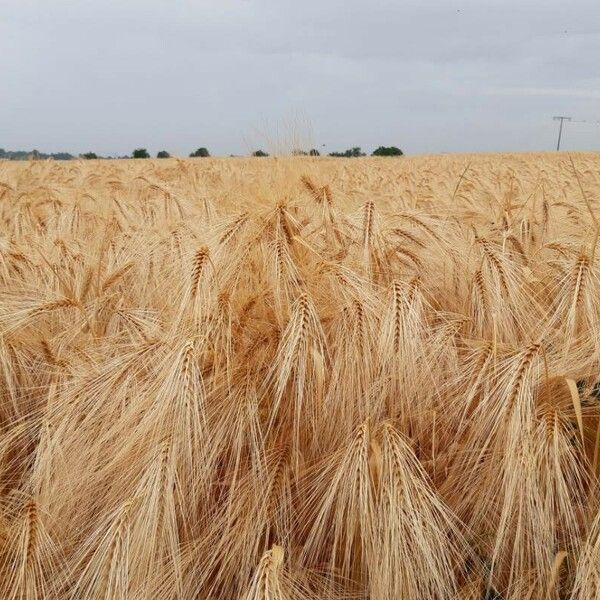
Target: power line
{"type": "Point", "coordinates": [588, 122]}
{"type": "Point", "coordinates": [562, 119]}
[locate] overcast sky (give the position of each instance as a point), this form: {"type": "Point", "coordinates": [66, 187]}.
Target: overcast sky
{"type": "Point", "coordinates": [234, 75]}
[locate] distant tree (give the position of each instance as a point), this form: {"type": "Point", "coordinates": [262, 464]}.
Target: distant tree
{"type": "Point", "coordinates": [259, 153]}
{"type": "Point", "coordinates": [163, 154]}
{"type": "Point", "coordinates": [89, 155]}
{"type": "Point", "coordinates": [314, 152]}
{"type": "Point", "coordinates": [18, 154]}
{"type": "Point", "coordinates": [299, 152]}
{"type": "Point", "coordinates": [200, 153]}
{"type": "Point", "coordinates": [140, 153]}
{"type": "Point", "coordinates": [351, 153]}
{"type": "Point", "coordinates": [387, 151]}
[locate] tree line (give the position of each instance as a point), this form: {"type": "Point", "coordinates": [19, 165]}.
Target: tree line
{"type": "Point", "coordinates": [143, 153]}
{"type": "Point", "coordinates": [198, 153]}
{"type": "Point", "coordinates": [355, 152]}
{"type": "Point", "coordinates": [33, 154]}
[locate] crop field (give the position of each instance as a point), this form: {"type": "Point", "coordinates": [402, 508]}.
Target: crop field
{"type": "Point", "coordinates": [300, 378]}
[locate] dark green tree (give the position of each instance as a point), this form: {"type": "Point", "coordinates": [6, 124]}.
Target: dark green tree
{"type": "Point", "coordinates": [355, 152]}
{"type": "Point", "coordinates": [163, 154]}
{"type": "Point", "coordinates": [201, 153]}
{"type": "Point", "coordinates": [140, 153]}
{"type": "Point", "coordinates": [89, 155]}
{"type": "Point", "coordinates": [387, 151]}
{"type": "Point", "coordinates": [351, 153]}
{"type": "Point", "coordinates": [259, 153]}
{"type": "Point", "coordinates": [314, 152]}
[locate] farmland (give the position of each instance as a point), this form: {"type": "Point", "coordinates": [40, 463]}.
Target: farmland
{"type": "Point", "coordinates": [300, 378]}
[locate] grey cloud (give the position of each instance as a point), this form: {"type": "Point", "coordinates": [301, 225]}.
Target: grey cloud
{"type": "Point", "coordinates": [428, 76]}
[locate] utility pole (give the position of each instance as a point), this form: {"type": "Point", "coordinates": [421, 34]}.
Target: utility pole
{"type": "Point", "coordinates": [562, 120]}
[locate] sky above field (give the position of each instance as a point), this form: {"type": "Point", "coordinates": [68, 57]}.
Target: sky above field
{"type": "Point", "coordinates": [236, 75]}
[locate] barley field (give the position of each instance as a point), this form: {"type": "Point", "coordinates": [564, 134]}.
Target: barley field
{"type": "Point", "coordinates": [300, 378]}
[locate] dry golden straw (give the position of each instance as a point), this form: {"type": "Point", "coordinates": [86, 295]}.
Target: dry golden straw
{"type": "Point", "coordinates": [300, 379]}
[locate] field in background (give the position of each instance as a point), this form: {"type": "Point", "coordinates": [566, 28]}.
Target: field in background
{"type": "Point", "coordinates": [300, 378]}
